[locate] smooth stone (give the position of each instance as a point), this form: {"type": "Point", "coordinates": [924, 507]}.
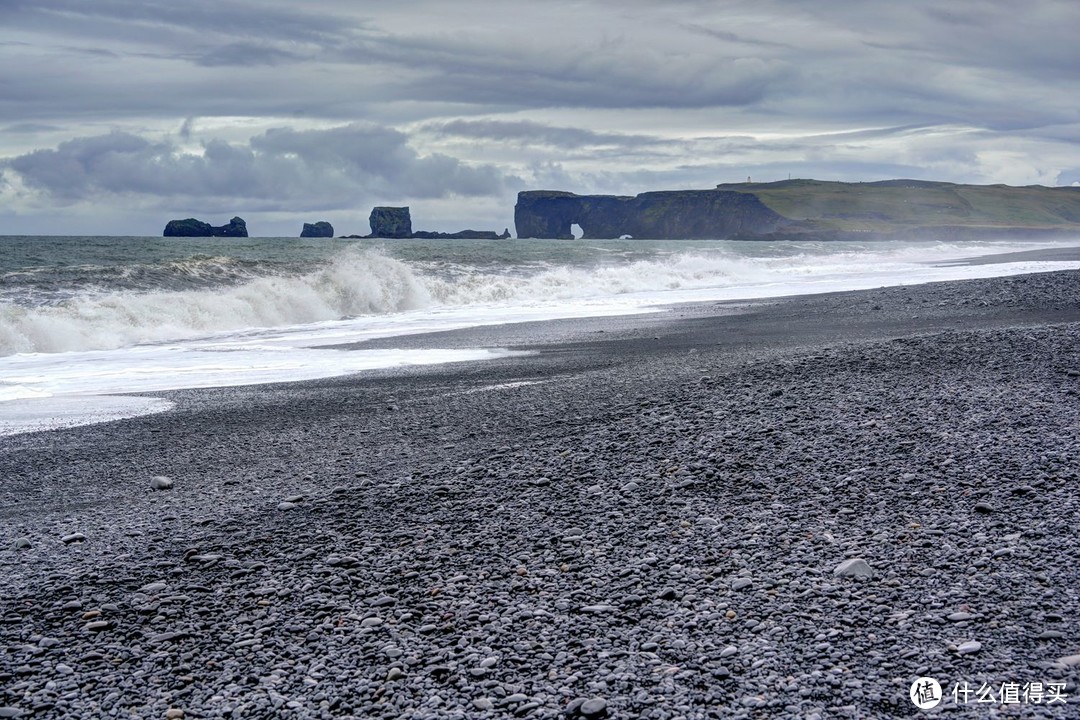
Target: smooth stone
{"type": "Point", "coordinates": [595, 707]}
{"type": "Point", "coordinates": [740, 583]}
{"type": "Point", "coordinates": [959, 616]}
{"type": "Point", "coordinates": [174, 714]}
{"type": "Point", "coordinates": [599, 609]}
{"type": "Point", "coordinates": [22, 544]}
{"type": "Point", "coordinates": [97, 625]}
{"type": "Point", "coordinates": [160, 482]}
{"type": "Point", "coordinates": [854, 567]}
{"type": "Point", "coordinates": [395, 674]}
{"type": "Point", "coordinates": [371, 622]}
{"type": "Point", "coordinates": [10, 712]}
{"type": "Point", "coordinates": [286, 505]}
{"type": "Point", "coordinates": [971, 646]}
{"type": "Point", "coordinates": [1069, 660]}
{"type": "Point", "coordinates": [152, 588]}
{"type": "Point", "coordinates": [1051, 635]}
{"type": "Point", "coordinates": [483, 704]}
{"type": "Point", "coordinates": [729, 651]}
{"type": "Point", "coordinates": [383, 601]}
{"type": "Point", "coordinates": [984, 508]}
{"type": "Point", "coordinates": [73, 538]}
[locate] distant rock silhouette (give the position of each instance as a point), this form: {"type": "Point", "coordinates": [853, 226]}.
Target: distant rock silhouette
{"type": "Point", "coordinates": [390, 222]}
{"type": "Point", "coordinates": [197, 228]}
{"type": "Point", "coordinates": [395, 222]}
{"type": "Point", "coordinates": [321, 229]}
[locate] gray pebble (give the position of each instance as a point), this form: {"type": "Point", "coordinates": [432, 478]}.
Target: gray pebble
{"type": "Point", "coordinates": [854, 567]}
{"type": "Point", "coordinates": [594, 707]}
{"type": "Point", "coordinates": [161, 482]}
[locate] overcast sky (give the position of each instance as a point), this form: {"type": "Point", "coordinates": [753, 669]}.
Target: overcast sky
{"type": "Point", "coordinates": [117, 115]}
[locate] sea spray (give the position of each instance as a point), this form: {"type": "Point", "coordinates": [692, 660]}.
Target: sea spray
{"type": "Point", "coordinates": [355, 283]}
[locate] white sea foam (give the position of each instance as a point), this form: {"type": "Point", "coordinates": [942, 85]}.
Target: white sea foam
{"type": "Point", "coordinates": [370, 284]}
{"type": "Point", "coordinates": [269, 329]}
{"type": "Point", "coordinates": [67, 389]}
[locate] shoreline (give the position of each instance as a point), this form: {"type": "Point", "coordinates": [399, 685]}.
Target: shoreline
{"type": "Point", "coordinates": [647, 510]}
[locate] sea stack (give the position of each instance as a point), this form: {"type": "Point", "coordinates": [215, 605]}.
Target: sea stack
{"type": "Point", "coordinates": [197, 228]}
{"type": "Point", "coordinates": [321, 229]}
{"type": "Point", "coordinates": [390, 222]}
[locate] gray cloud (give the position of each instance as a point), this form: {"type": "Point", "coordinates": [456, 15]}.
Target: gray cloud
{"type": "Point", "coordinates": [284, 168]}
{"type": "Point", "coordinates": [244, 54]}
{"type": "Point", "coordinates": [529, 132]}
{"type": "Point", "coordinates": [600, 94]}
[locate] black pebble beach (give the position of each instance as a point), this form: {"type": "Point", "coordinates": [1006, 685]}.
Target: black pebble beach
{"type": "Point", "coordinates": [641, 519]}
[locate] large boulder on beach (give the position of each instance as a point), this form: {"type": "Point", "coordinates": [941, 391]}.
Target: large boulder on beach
{"type": "Point", "coordinates": [321, 229]}
{"type": "Point", "coordinates": [390, 222]}
{"type": "Point", "coordinates": [191, 227]}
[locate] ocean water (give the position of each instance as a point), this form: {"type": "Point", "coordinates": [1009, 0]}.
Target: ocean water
{"type": "Point", "coordinates": [84, 321]}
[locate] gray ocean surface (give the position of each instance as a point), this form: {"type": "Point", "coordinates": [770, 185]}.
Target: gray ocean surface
{"type": "Point", "coordinates": [60, 294]}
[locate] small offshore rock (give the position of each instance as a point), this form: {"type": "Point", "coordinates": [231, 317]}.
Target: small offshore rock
{"type": "Point", "coordinates": [161, 482]}
{"type": "Point", "coordinates": [854, 567]}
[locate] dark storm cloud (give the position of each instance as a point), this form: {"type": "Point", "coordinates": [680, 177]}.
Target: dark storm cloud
{"type": "Point", "coordinates": [314, 168]}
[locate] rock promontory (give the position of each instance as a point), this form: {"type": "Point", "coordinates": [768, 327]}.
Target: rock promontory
{"type": "Point", "coordinates": [321, 229]}
{"type": "Point", "coordinates": [650, 215]}
{"type": "Point", "coordinates": [802, 209]}
{"type": "Point", "coordinates": [197, 228]}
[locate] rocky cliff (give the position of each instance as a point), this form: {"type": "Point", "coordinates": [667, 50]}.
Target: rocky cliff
{"type": "Point", "coordinates": [321, 229]}
{"type": "Point", "coordinates": [653, 215]}
{"type": "Point", "coordinates": [197, 228]}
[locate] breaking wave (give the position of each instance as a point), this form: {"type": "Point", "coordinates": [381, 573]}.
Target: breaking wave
{"type": "Point", "coordinates": [354, 283]}
{"type": "Point", "coordinates": [205, 295]}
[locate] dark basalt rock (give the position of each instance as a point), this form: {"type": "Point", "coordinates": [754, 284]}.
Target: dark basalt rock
{"type": "Point", "coordinates": [321, 229]}
{"type": "Point", "coordinates": [390, 222]}
{"type": "Point", "coordinates": [197, 228]}
{"type": "Point", "coordinates": [395, 222]}
{"type": "Point", "coordinates": [462, 235]}
{"type": "Point", "coordinates": [674, 214]}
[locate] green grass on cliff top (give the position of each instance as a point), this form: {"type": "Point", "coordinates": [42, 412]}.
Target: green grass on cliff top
{"type": "Point", "coordinates": [916, 203]}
